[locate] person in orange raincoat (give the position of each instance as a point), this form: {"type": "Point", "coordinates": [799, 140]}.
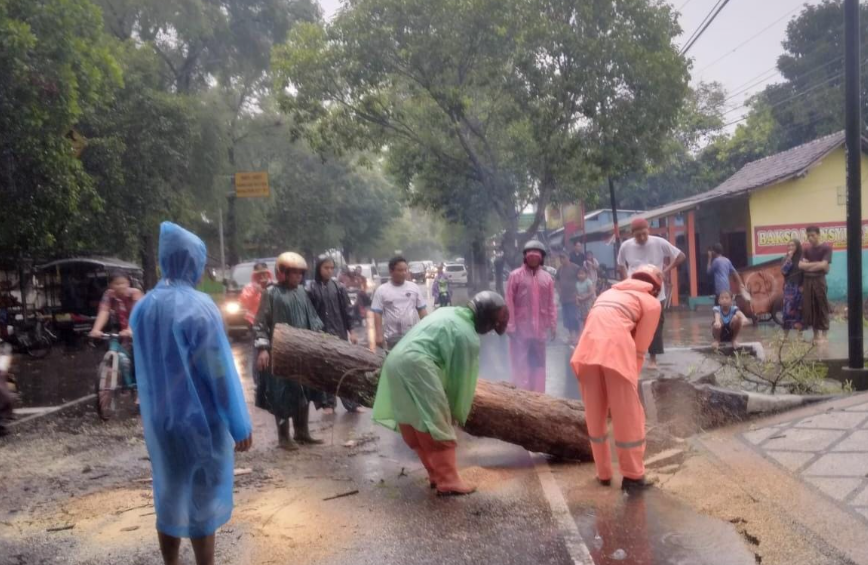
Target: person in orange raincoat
{"type": "Point", "coordinates": [607, 362]}
{"type": "Point", "coordinates": [252, 292]}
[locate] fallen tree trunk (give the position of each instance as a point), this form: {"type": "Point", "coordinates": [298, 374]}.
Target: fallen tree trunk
{"type": "Point", "coordinates": [534, 421]}
{"type": "Point", "coordinates": [537, 422]}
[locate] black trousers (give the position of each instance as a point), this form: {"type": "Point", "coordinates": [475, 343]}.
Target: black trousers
{"type": "Point", "coordinates": [656, 347]}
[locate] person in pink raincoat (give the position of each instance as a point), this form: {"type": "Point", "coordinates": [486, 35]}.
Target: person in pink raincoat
{"type": "Point", "coordinates": [530, 295]}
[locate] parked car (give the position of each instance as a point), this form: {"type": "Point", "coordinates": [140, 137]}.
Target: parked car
{"type": "Point", "coordinates": [417, 271]}
{"type": "Point", "coordinates": [231, 309]}
{"type": "Point", "coordinates": [457, 273]}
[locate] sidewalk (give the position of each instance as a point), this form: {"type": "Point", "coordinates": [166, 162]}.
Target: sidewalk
{"type": "Point", "coordinates": [794, 484]}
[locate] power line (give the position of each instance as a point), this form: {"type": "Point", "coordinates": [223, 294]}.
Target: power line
{"type": "Point", "coordinates": [749, 39]}
{"type": "Point", "coordinates": [804, 75]}
{"type": "Point", "coordinates": [753, 84]}
{"type": "Point", "coordinates": [738, 89]}
{"type": "Point", "coordinates": [804, 123]}
{"type": "Point", "coordinates": [704, 20]}
{"type": "Point", "coordinates": [684, 5]}
{"type": "Point", "coordinates": [722, 4]}
{"type": "Point", "coordinates": [795, 96]}
{"type": "Point", "coordinates": [772, 68]}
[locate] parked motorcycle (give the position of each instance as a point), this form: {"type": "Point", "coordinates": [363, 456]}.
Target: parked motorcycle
{"type": "Point", "coordinates": [34, 338]}
{"type": "Point", "coordinates": [359, 302]}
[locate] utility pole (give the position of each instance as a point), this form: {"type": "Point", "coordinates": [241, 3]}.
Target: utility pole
{"type": "Point", "coordinates": [222, 245]}
{"type": "Point", "coordinates": [853, 123]}
{"type": "Point", "coordinates": [231, 229]}
{"type": "Point", "coordinates": [614, 204]}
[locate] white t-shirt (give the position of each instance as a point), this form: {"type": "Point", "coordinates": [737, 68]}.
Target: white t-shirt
{"type": "Point", "coordinates": [631, 256]}
{"type": "Point", "coordinates": [399, 306]}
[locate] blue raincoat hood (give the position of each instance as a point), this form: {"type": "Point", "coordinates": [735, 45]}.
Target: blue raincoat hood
{"type": "Point", "coordinates": [182, 254]}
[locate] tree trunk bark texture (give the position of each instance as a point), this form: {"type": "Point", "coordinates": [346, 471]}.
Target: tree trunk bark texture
{"type": "Point", "coordinates": [534, 421]}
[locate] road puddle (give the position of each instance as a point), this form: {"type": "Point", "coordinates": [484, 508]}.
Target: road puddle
{"type": "Point", "coordinates": [652, 527]}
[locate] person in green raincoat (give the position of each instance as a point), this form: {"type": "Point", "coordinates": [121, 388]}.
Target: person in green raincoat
{"type": "Point", "coordinates": [429, 379]}
{"type": "Point", "coordinates": [285, 303]}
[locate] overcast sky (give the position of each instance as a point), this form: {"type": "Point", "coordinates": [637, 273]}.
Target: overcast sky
{"type": "Point", "coordinates": [760, 25]}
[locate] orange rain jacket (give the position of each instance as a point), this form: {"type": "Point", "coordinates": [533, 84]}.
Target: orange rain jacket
{"type": "Point", "coordinates": [250, 297]}
{"type": "Point", "coordinates": [619, 329]}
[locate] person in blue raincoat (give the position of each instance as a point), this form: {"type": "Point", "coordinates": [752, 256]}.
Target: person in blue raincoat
{"type": "Point", "coordinates": [193, 409]}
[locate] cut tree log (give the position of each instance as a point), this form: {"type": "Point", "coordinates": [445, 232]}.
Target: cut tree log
{"type": "Point", "coordinates": [537, 422]}
{"type": "Point", "coordinates": [534, 421]}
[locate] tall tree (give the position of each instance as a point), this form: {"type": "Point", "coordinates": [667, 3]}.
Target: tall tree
{"type": "Point", "coordinates": [809, 102]}
{"type": "Point", "coordinates": [140, 150]}
{"type": "Point", "coordinates": [199, 40]}
{"type": "Point", "coordinates": [490, 104]}
{"type": "Point", "coordinates": [55, 65]}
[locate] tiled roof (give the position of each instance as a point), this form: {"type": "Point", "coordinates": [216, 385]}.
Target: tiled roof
{"type": "Point", "coordinates": [756, 174]}
{"type": "Point", "coordinates": [780, 166]}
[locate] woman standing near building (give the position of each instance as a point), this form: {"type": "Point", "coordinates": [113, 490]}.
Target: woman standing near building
{"type": "Point", "coordinates": [793, 280]}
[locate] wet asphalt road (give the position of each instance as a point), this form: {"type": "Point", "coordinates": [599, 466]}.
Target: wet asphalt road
{"type": "Point", "coordinates": [526, 511]}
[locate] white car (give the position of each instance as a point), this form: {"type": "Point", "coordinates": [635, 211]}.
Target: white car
{"type": "Point", "coordinates": [456, 273]}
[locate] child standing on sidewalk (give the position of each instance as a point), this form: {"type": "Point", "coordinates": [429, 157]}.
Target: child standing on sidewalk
{"type": "Point", "coordinates": [585, 296]}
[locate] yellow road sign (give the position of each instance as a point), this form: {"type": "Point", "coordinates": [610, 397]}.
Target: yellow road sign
{"type": "Point", "coordinates": [252, 185]}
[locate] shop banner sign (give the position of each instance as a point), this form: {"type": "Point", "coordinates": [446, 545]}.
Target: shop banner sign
{"type": "Point", "coordinates": [769, 240]}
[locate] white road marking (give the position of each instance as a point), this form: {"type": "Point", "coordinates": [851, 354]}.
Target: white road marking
{"type": "Point", "coordinates": [576, 547]}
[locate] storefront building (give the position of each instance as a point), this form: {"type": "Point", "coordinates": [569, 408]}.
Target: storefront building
{"type": "Point", "coordinates": [755, 212]}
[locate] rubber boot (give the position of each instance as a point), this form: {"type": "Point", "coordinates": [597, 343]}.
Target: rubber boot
{"type": "Point", "coordinates": [408, 432]}
{"type": "Point", "coordinates": [302, 432]}
{"type": "Point", "coordinates": [636, 485]}
{"type": "Point", "coordinates": [441, 456]}
{"type": "Point", "coordinates": [283, 439]}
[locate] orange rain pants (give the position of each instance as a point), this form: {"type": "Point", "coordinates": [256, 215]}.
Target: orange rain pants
{"type": "Point", "coordinates": [607, 362]}
{"type": "Point", "coordinates": [604, 389]}
{"type": "Point", "coordinates": [438, 457]}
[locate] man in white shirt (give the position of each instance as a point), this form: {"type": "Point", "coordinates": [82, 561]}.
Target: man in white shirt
{"type": "Point", "coordinates": [647, 249]}
{"type": "Point", "coordinates": [397, 305]}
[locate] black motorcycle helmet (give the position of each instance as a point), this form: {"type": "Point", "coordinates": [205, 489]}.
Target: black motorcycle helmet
{"type": "Point", "coordinates": [535, 245]}
{"type": "Point", "coordinates": [489, 312]}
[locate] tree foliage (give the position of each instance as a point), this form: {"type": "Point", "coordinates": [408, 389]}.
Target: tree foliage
{"type": "Point", "coordinates": [201, 40]}
{"type": "Point", "coordinates": [116, 120]}
{"type": "Point", "coordinates": [488, 105]}
{"type": "Point", "coordinates": [56, 66]}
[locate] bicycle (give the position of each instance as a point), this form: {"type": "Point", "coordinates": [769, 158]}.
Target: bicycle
{"type": "Point", "coordinates": [114, 379]}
